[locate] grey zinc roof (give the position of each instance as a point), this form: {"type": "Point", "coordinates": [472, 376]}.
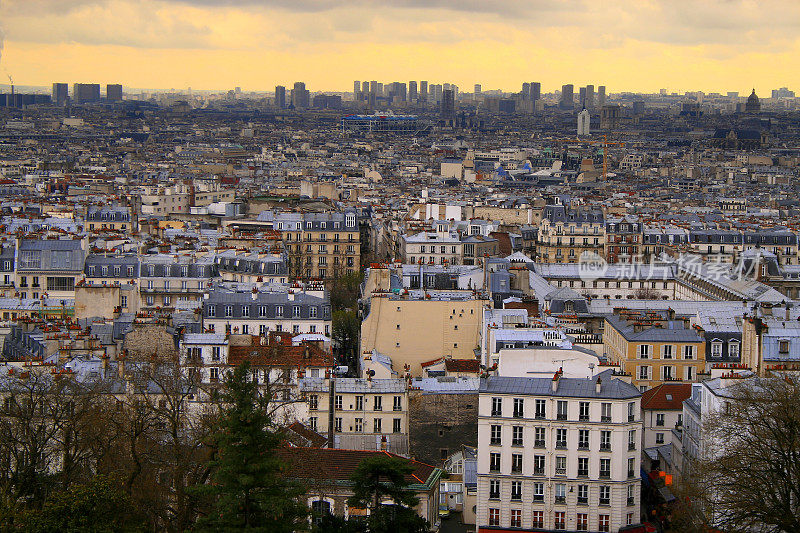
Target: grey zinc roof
{"type": "Point", "coordinates": [567, 387]}
{"type": "Point", "coordinates": [355, 385]}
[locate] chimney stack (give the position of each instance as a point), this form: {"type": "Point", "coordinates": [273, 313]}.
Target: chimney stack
{"type": "Point", "coordinates": [557, 378]}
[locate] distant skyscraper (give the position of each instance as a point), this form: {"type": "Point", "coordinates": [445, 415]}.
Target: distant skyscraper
{"type": "Point", "coordinates": [582, 97]}
{"type": "Point", "coordinates": [583, 123]}
{"type": "Point", "coordinates": [412, 91]}
{"type": "Point", "coordinates": [526, 91]}
{"type": "Point", "coordinates": [477, 88]}
{"type": "Point", "coordinates": [536, 90]}
{"type": "Point", "coordinates": [114, 92]}
{"type": "Point", "coordinates": [86, 92]}
{"type": "Point", "coordinates": [280, 96]}
{"type": "Point", "coordinates": [601, 96]}
{"type": "Point", "coordinates": [300, 96]}
{"type": "Point", "coordinates": [60, 93]}
{"type": "Point", "coordinates": [567, 97]}
{"type": "Point", "coordinates": [365, 87]}
{"type": "Point", "coordinates": [448, 104]}
{"type": "Point", "coordinates": [373, 87]}
{"type": "Point", "coordinates": [423, 91]}
{"type": "Point", "coordinates": [356, 87]}
{"type": "Point", "coordinates": [590, 97]}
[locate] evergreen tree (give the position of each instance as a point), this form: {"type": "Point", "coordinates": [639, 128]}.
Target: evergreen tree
{"type": "Point", "coordinates": [248, 488]}
{"type": "Point", "coordinates": [383, 477]}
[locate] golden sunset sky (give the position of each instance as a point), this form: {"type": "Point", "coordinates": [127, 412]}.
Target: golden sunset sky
{"type": "Point", "coordinates": [627, 45]}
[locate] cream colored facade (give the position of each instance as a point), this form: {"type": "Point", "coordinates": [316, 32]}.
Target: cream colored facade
{"type": "Point", "coordinates": [412, 329]}
{"type": "Point", "coordinates": [652, 362]}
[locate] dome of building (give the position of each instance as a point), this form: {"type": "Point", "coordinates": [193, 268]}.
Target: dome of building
{"type": "Point", "coordinates": [752, 105]}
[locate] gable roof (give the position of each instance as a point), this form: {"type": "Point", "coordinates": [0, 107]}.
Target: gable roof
{"type": "Point", "coordinates": [667, 396]}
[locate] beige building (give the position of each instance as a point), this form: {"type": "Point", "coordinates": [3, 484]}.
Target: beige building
{"type": "Point", "coordinates": [566, 233]}
{"type": "Point", "coordinates": [654, 347]}
{"type": "Point", "coordinates": [421, 326]}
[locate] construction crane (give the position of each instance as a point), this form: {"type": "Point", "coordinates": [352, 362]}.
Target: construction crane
{"type": "Point", "coordinates": [605, 142]}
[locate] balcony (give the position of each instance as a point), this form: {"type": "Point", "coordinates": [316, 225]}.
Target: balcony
{"type": "Point", "coordinates": [583, 500]}
{"type": "Point", "coordinates": [538, 444]}
{"type": "Point", "coordinates": [630, 501]}
{"type": "Point", "coordinates": [495, 442]}
{"type": "Point", "coordinates": [583, 445]}
{"type": "Point", "coordinates": [605, 474]}
{"type": "Point", "coordinates": [583, 418]}
{"type": "Point", "coordinates": [605, 447]}
{"type": "Point", "coordinates": [497, 413]}
{"type": "Point", "coordinates": [560, 500]}
{"type": "Point", "coordinates": [561, 471]}
{"type": "Point", "coordinates": [632, 418]}
{"type": "Point", "coordinates": [561, 445]}
{"type": "Point", "coordinates": [605, 418]}
{"type": "Point", "coordinates": [536, 471]}
{"type": "Point", "coordinates": [631, 446]}
{"type": "Point", "coordinates": [561, 416]}
{"type": "Point", "coordinates": [605, 501]}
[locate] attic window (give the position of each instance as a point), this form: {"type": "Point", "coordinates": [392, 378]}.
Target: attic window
{"type": "Point", "coordinates": [669, 397]}
{"type": "Point", "coordinates": [783, 346]}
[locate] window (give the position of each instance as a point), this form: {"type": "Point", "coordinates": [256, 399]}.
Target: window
{"type": "Point", "coordinates": [582, 522]}
{"type": "Point", "coordinates": [378, 404]}
{"type": "Point", "coordinates": [631, 467]}
{"type": "Point", "coordinates": [666, 351]}
{"type": "Point", "coordinates": [538, 464]}
{"type": "Point", "coordinates": [632, 439]}
{"type": "Point", "coordinates": [295, 311]}
{"type": "Point", "coordinates": [495, 435]}
{"type": "Point", "coordinates": [213, 374]}
{"type": "Point", "coordinates": [359, 425]}
{"type": "Point", "coordinates": [376, 426]}
{"type": "Point", "coordinates": [245, 311]}
{"type": "Point", "coordinates": [659, 419]}
{"type": "Point", "coordinates": [690, 375]}
{"type": "Point", "coordinates": [538, 492]}
{"type": "Point", "coordinates": [516, 436]}
{"type": "Point", "coordinates": [733, 349]}
{"type": "Point", "coordinates": [605, 412]}
{"type": "Point", "coordinates": [561, 410]}
{"type": "Point", "coordinates": [561, 493]}
{"type": "Point", "coordinates": [398, 403]}
{"type": "Point", "coordinates": [644, 351]}
{"type": "Point", "coordinates": [688, 352]}
{"type": "Point", "coordinates": [337, 402]}
{"type": "Point", "coordinates": [603, 523]}
{"type": "Point", "coordinates": [540, 409]}
{"type": "Point", "coordinates": [518, 407]}
{"type": "Point", "coordinates": [359, 403]}
{"type": "Point", "coordinates": [516, 463]}
{"type": "Point", "coordinates": [396, 425]}
{"type": "Point", "coordinates": [561, 438]}
{"type": "Point", "coordinates": [313, 402]}
{"type": "Point", "coordinates": [124, 301]}
{"type": "Point", "coordinates": [312, 423]}
{"type": "Point", "coordinates": [659, 438]}
{"type": "Point", "coordinates": [631, 411]}
{"type": "Point", "coordinates": [538, 519]}
{"type": "Point", "coordinates": [278, 310]}
{"type": "Point", "coordinates": [631, 494]}
{"type": "Point", "coordinates": [583, 466]}
{"type": "Point", "coordinates": [716, 349]}
{"type": "Point", "coordinates": [667, 373]}
{"type": "Point", "coordinates": [583, 439]}
{"type": "Point", "coordinates": [312, 312]}
{"type": "Point", "coordinates": [559, 520]}
{"type": "Point", "coordinates": [494, 517]}
{"type": "Point", "coordinates": [561, 465]}
{"type": "Point", "coordinates": [516, 490]}
{"type": "Point", "coordinates": [494, 462]}
{"type": "Point", "coordinates": [228, 311]}
{"type": "Point", "coordinates": [605, 495]}
{"type": "Point", "coordinates": [497, 407]}
{"type": "Point", "coordinates": [337, 424]}
{"type": "Point", "coordinates": [538, 437]}
{"type": "Point", "coordinates": [644, 372]}
{"type": "Point", "coordinates": [583, 494]}
{"type": "Point", "coordinates": [319, 509]}
{"type": "Point", "coordinates": [605, 468]}
{"type": "Point", "coordinates": [629, 519]}
{"type": "Point", "coordinates": [583, 411]}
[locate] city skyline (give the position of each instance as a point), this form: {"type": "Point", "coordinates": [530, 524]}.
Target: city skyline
{"type": "Point", "coordinates": [719, 47]}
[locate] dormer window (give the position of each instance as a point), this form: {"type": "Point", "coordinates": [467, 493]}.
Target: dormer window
{"type": "Point", "coordinates": [783, 346]}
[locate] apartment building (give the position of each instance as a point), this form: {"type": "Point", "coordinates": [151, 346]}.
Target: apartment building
{"type": "Point", "coordinates": [167, 279]}
{"type": "Point", "coordinates": [558, 453]}
{"type": "Point", "coordinates": [320, 245]}
{"type": "Point", "coordinates": [440, 247]}
{"type": "Point", "coordinates": [662, 411]}
{"type": "Point", "coordinates": [50, 266]}
{"type": "Point", "coordinates": [365, 414]}
{"type": "Point", "coordinates": [623, 240]}
{"type": "Point", "coordinates": [654, 347]}
{"type": "Point", "coordinates": [565, 233]}
{"type": "Point", "coordinates": [261, 311]}
{"type": "Point", "coordinates": [418, 326]}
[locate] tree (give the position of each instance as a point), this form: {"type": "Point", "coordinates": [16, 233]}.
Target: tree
{"type": "Point", "coordinates": [248, 488]}
{"type": "Point", "coordinates": [380, 478]}
{"type": "Point", "coordinates": [748, 476]}
{"type": "Point", "coordinates": [345, 290]}
{"type": "Point", "coordinates": [346, 329]}
{"type": "Point", "coordinates": [97, 506]}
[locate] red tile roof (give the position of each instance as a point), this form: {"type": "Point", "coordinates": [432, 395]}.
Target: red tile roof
{"type": "Point", "coordinates": [280, 353]}
{"type": "Point", "coordinates": [338, 465]}
{"type": "Point", "coordinates": [462, 365]}
{"type": "Point", "coordinates": [300, 435]}
{"type": "Point", "coordinates": [666, 397]}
